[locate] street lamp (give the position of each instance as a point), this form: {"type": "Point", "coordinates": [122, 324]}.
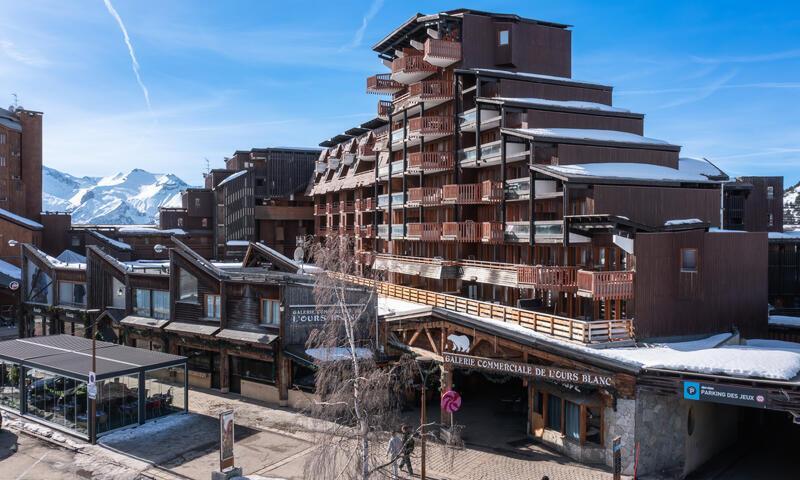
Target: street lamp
{"type": "Point", "coordinates": [13, 243]}
{"type": "Point", "coordinates": [158, 248]}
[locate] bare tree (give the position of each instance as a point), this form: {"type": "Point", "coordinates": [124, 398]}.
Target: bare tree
{"type": "Point", "coordinates": [358, 395]}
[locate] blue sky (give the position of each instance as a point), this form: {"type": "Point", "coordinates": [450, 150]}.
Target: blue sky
{"type": "Point", "coordinates": [720, 78]}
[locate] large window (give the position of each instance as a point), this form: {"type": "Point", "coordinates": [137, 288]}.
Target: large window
{"type": "Point", "coordinates": [72, 294]}
{"type": "Point", "coordinates": [164, 392]}
{"type": "Point", "coordinates": [151, 303]}
{"type": "Point", "coordinates": [213, 306]}
{"type": "Point", "coordinates": [9, 384]}
{"type": "Point", "coordinates": [39, 285]}
{"type": "Point", "coordinates": [502, 37]}
{"type": "Point", "coordinates": [581, 423]}
{"type": "Point", "coordinates": [187, 287]}
{"type": "Point", "coordinates": [117, 403]}
{"type": "Point", "coordinates": [270, 312]}
{"type": "Point", "coordinates": [58, 399]}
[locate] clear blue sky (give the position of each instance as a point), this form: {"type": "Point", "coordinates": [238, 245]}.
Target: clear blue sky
{"type": "Point", "coordinates": [720, 78]}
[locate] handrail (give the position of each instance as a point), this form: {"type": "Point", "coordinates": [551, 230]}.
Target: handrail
{"type": "Point", "coordinates": [609, 285]}
{"type": "Point", "coordinates": [384, 107]}
{"type": "Point", "coordinates": [427, 161]}
{"type": "Point", "coordinates": [546, 277]}
{"type": "Point", "coordinates": [435, 47]}
{"type": "Point", "coordinates": [428, 231]}
{"type": "Point", "coordinates": [491, 191]}
{"type": "Point", "coordinates": [492, 232]}
{"type": "Point", "coordinates": [424, 196]}
{"type": "Point", "coordinates": [461, 231]}
{"type": "Point", "coordinates": [419, 260]}
{"type": "Point", "coordinates": [431, 125]}
{"type": "Point", "coordinates": [431, 89]}
{"type": "Point", "coordinates": [382, 82]}
{"type": "Point", "coordinates": [412, 63]}
{"type": "Point", "coordinates": [581, 331]}
{"type": "Point", "coordinates": [461, 193]}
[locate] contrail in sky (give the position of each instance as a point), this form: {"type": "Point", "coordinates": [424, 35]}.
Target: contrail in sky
{"type": "Point", "coordinates": [134, 62]}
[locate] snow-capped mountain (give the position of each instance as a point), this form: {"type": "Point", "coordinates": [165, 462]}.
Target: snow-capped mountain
{"type": "Point", "coordinates": [791, 207]}
{"type": "Point", "coordinates": [124, 198]}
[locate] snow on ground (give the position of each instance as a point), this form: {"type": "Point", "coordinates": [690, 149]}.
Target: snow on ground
{"type": "Point", "coordinates": [790, 235]}
{"type": "Point", "coordinates": [784, 321]}
{"type": "Point", "coordinates": [175, 421]}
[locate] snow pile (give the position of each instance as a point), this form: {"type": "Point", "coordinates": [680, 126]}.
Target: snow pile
{"type": "Point", "coordinates": [565, 104]}
{"type": "Point", "coordinates": [688, 171]}
{"type": "Point", "coordinates": [791, 208]}
{"type": "Point", "coordinates": [591, 134]}
{"type": "Point", "coordinates": [784, 321]}
{"type": "Point", "coordinates": [115, 243]}
{"type": "Point", "coordinates": [140, 230]}
{"type": "Point", "coordinates": [682, 221]}
{"type": "Point", "coordinates": [124, 198]}
{"type": "Point", "coordinates": [68, 256]}
{"type": "Point", "coordinates": [792, 235]}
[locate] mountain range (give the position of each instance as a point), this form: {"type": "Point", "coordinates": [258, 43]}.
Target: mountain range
{"type": "Point", "coordinates": [791, 207]}
{"type": "Point", "coordinates": [124, 198]}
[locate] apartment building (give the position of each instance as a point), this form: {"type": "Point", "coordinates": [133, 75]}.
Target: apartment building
{"type": "Point", "coordinates": [21, 162]}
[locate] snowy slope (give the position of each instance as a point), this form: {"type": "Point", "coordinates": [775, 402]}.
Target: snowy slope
{"type": "Point", "coordinates": [791, 208]}
{"type": "Point", "coordinates": [124, 198]}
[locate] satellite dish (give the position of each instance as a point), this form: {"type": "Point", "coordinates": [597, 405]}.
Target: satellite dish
{"type": "Point", "coordinates": [299, 254]}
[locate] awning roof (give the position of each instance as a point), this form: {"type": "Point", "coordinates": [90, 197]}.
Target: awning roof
{"type": "Point", "coordinates": [246, 336]}
{"type": "Point", "coordinates": [143, 322]}
{"type": "Point", "coordinates": [192, 328]}
{"type": "Point", "coordinates": [72, 356]}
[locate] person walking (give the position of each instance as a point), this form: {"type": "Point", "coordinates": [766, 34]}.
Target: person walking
{"type": "Point", "coordinates": [408, 449]}
{"type": "Point", "coordinates": [394, 450]}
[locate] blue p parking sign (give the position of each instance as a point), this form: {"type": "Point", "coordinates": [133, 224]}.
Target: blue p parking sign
{"type": "Point", "coordinates": [691, 390]}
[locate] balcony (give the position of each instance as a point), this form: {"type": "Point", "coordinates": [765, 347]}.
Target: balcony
{"type": "Point", "coordinates": [421, 266]}
{"type": "Point", "coordinates": [603, 285]}
{"type": "Point", "coordinates": [366, 231]}
{"type": "Point", "coordinates": [430, 126]}
{"type": "Point", "coordinates": [426, 232]}
{"type": "Point", "coordinates": [365, 257]}
{"type": "Point", "coordinates": [348, 159]}
{"type": "Point", "coordinates": [396, 168]}
{"type": "Point", "coordinates": [384, 108]}
{"type": "Point", "coordinates": [346, 229]}
{"type": "Point", "coordinates": [411, 68]}
{"type": "Point", "coordinates": [367, 151]}
{"type": "Point", "coordinates": [552, 278]}
{"type": "Point", "coordinates": [491, 191]}
{"type": "Point", "coordinates": [332, 208]}
{"type": "Point", "coordinates": [429, 162]}
{"type": "Point", "coordinates": [430, 92]}
{"type": "Point", "coordinates": [383, 84]}
{"type": "Point", "coordinates": [492, 273]}
{"type": "Point", "coordinates": [441, 53]}
{"type": "Point", "coordinates": [365, 204]}
{"type": "Point", "coordinates": [464, 193]}
{"type": "Point", "coordinates": [424, 196]}
{"type": "Point", "coordinates": [320, 209]}
{"type": "Point", "coordinates": [397, 231]}
{"type": "Point", "coordinates": [490, 153]}
{"type": "Point", "coordinates": [465, 232]}
{"type": "Point", "coordinates": [320, 167]}
{"type": "Point", "coordinates": [347, 207]}
{"type": "Point", "coordinates": [492, 232]}
{"type": "Point", "coordinates": [397, 200]}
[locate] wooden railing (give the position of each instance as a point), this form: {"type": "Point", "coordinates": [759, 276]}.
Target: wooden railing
{"type": "Point", "coordinates": [367, 231]}
{"type": "Point", "coordinates": [430, 125]}
{"type": "Point", "coordinates": [491, 191]}
{"type": "Point", "coordinates": [382, 83]}
{"type": "Point", "coordinates": [412, 64]}
{"type": "Point", "coordinates": [462, 193]}
{"type": "Point", "coordinates": [332, 207]}
{"type": "Point", "coordinates": [461, 231]}
{"type": "Point", "coordinates": [492, 232]}
{"type": "Point", "coordinates": [365, 204]}
{"type": "Point", "coordinates": [553, 278]}
{"type": "Point", "coordinates": [442, 49]}
{"type": "Point", "coordinates": [431, 89]}
{"type": "Point", "coordinates": [320, 209]}
{"type": "Point", "coordinates": [346, 229]}
{"type": "Point", "coordinates": [384, 107]}
{"type": "Point", "coordinates": [347, 207]}
{"type": "Point", "coordinates": [430, 161]}
{"type": "Point", "coordinates": [424, 196]}
{"type": "Point", "coordinates": [581, 331]}
{"type": "Point", "coordinates": [426, 232]}
{"type": "Point", "coordinates": [606, 285]}
{"type": "Point", "coordinates": [365, 257]}
{"type": "Point", "coordinates": [367, 150]}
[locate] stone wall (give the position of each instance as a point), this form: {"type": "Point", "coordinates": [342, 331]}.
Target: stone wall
{"type": "Point", "coordinates": [660, 432]}
{"type": "Point", "coordinates": [621, 422]}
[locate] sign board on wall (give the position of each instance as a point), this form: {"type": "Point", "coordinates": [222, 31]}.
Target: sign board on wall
{"type": "Point", "coordinates": [529, 370]}
{"type": "Point", "coordinates": [728, 394]}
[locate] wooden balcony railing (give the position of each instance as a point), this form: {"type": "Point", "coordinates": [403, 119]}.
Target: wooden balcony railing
{"type": "Point", "coordinates": [580, 331]}
{"type": "Point", "coordinates": [461, 231]}
{"type": "Point", "coordinates": [430, 125]}
{"type": "Point", "coordinates": [431, 89]}
{"type": "Point", "coordinates": [425, 196]}
{"type": "Point", "coordinates": [320, 209]}
{"type": "Point", "coordinates": [365, 204]}
{"type": "Point", "coordinates": [384, 107]}
{"type": "Point", "coordinates": [412, 64]}
{"type": "Point", "coordinates": [430, 161]}
{"type": "Point", "coordinates": [347, 207]}
{"type": "Point", "coordinates": [553, 278]}
{"type": "Point", "coordinates": [491, 191]}
{"type": "Point", "coordinates": [606, 285]}
{"type": "Point", "coordinates": [492, 232]}
{"type": "Point", "coordinates": [346, 229]}
{"type": "Point", "coordinates": [442, 53]}
{"type": "Point", "coordinates": [367, 150]}
{"type": "Point", "coordinates": [462, 193]}
{"type": "Point", "coordinates": [426, 232]}
{"type": "Point", "coordinates": [365, 257]}
{"type": "Point", "coordinates": [332, 208]}
{"type": "Point", "coordinates": [383, 83]}
{"type": "Point", "coordinates": [366, 231]}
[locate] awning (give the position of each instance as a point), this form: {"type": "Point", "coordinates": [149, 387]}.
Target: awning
{"type": "Point", "coordinates": [298, 353]}
{"type": "Point", "coordinates": [262, 338]}
{"type": "Point", "coordinates": [192, 328]}
{"type": "Point", "coordinates": [143, 322]}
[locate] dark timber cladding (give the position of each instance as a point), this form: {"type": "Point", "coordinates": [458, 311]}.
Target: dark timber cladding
{"type": "Point", "coordinates": [657, 205]}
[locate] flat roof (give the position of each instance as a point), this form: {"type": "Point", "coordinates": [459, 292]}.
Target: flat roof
{"type": "Point", "coordinates": [72, 356]}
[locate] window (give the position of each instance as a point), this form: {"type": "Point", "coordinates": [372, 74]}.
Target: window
{"type": "Point", "coordinates": [76, 241]}
{"type": "Point", "coordinates": [270, 312]}
{"type": "Point", "coordinates": [160, 304]}
{"type": "Point", "coordinates": [2, 161]}
{"type": "Point", "coordinates": [187, 287]}
{"type": "Point", "coordinates": [196, 203]}
{"type": "Point", "coordinates": [770, 192]}
{"type": "Point", "coordinates": [142, 306]}
{"type": "Point", "coordinates": [213, 304]}
{"type": "Point", "coordinates": [502, 37]}
{"type": "Point", "coordinates": [688, 260]}
{"type": "Point", "coordinates": [72, 294]}
{"type": "Point", "coordinates": [2, 138]}
{"type": "Point", "coordinates": [204, 222]}
{"type": "Point", "coordinates": [770, 220]}
{"type": "Point", "coordinates": [572, 420]}
{"type": "Point", "coordinates": [151, 303]}
{"type": "Point", "coordinates": [554, 413]}
{"type": "Point", "coordinates": [180, 222]}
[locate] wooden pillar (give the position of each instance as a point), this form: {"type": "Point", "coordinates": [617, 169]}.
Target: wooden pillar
{"type": "Point", "coordinates": [284, 379]}
{"type": "Point", "coordinates": [224, 371]}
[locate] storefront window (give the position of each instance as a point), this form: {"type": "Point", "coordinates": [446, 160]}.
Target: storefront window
{"type": "Point", "coordinates": [566, 417]}
{"type": "Point", "coordinates": [9, 385]}
{"type": "Point", "coordinates": [57, 399]}
{"type": "Point", "coordinates": [117, 403]}
{"type": "Point", "coordinates": [257, 370]}
{"type": "Point", "coordinates": [572, 420]}
{"type": "Point", "coordinates": [554, 413]}
{"type": "Point", "coordinates": [164, 392]}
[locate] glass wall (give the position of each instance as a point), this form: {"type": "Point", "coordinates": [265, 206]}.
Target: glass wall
{"type": "Point", "coordinates": [72, 294]}
{"type": "Point", "coordinates": [57, 399]}
{"type": "Point", "coordinates": [117, 402]}
{"type": "Point", "coordinates": [164, 392]}
{"type": "Point", "coordinates": [9, 385]}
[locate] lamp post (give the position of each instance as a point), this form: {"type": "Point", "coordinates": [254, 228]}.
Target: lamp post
{"type": "Point", "coordinates": [93, 398]}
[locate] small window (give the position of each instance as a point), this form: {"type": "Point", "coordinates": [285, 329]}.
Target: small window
{"type": "Point", "coordinates": [770, 192]}
{"type": "Point", "coordinates": [196, 203]}
{"type": "Point", "coordinates": [76, 241]}
{"type": "Point", "coordinates": [270, 312]}
{"type": "Point", "coordinates": [2, 138]}
{"type": "Point", "coordinates": [688, 260]}
{"type": "Point", "coordinates": [502, 37]}
{"type": "Point", "coordinates": [770, 220]}
{"type": "Point", "coordinates": [2, 161]}
{"type": "Point", "coordinates": [204, 222]}
{"type": "Point", "coordinates": [213, 304]}
{"type": "Point", "coordinates": [72, 294]}
{"type": "Point", "coordinates": [187, 286]}
{"type": "Point", "coordinates": [180, 222]}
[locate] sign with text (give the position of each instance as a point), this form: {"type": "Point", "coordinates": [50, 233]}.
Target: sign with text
{"type": "Point", "coordinates": [530, 370]}
{"type": "Point", "coordinates": [301, 320]}
{"type": "Point", "coordinates": [728, 394]}
{"type": "Point", "coordinates": [225, 440]}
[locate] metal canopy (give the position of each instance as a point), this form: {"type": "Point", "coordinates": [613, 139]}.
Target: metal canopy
{"type": "Point", "coordinates": [72, 356]}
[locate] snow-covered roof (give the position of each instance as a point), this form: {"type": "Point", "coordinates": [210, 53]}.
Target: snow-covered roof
{"type": "Point", "coordinates": [394, 306]}
{"type": "Point", "coordinates": [10, 270]}
{"type": "Point", "coordinates": [784, 321]}
{"type": "Point", "coordinates": [337, 353]}
{"type": "Point", "coordinates": [235, 175]}
{"type": "Point", "coordinates": [689, 170]}
{"type": "Point", "coordinates": [116, 243]}
{"type": "Point", "coordinates": [68, 256]}
{"type": "Point", "coordinates": [237, 243]}
{"type": "Point", "coordinates": [25, 222]}
{"type": "Point", "coordinates": [791, 235]}
{"type": "Point", "coordinates": [541, 102]}
{"type": "Point", "coordinates": [590, 135]}
{"type": "Point", "coordinates": [535, 76]}
{"type": "Point", "coordinates": [137, 230]}
{"type": "Point", "coordinates": [682, 221]}
{"type": "Point", "coordinates": [9, 120]}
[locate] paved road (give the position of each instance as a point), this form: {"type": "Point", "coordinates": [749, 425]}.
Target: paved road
{"type": "Point", "coordinates": [23, 457]}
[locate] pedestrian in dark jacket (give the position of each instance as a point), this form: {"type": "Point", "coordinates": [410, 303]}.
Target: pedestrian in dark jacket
{"type": "Point", "coordinates": [408, 449]}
